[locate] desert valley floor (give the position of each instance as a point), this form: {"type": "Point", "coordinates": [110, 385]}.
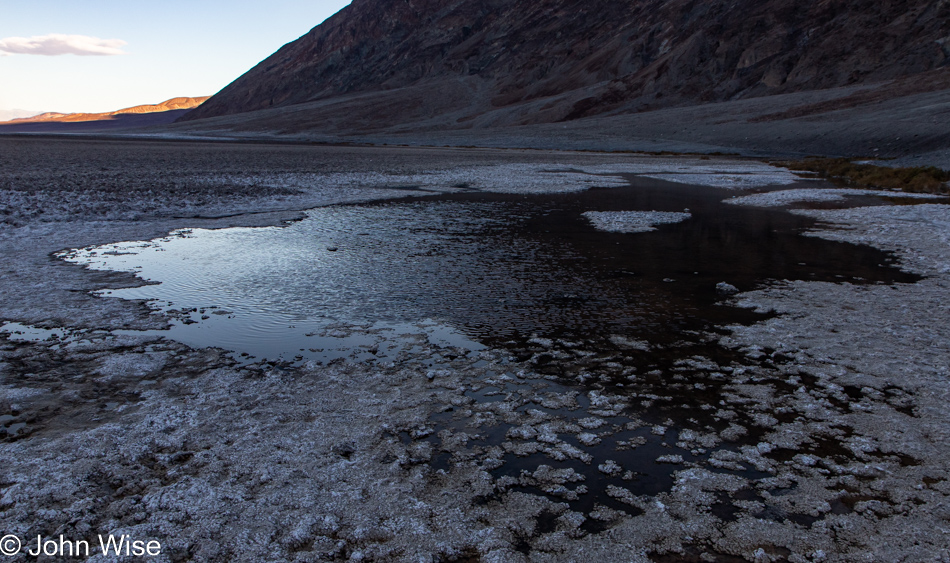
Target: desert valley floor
{"type": "Point", "coordinates": [278, 352]}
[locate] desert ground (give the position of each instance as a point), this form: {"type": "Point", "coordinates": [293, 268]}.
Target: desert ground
{"type": "Point", "coordinates": [813, 428]}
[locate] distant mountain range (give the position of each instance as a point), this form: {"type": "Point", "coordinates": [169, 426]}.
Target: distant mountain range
{"type": "Point", "coordinates": [168, 105]}
{"type": "Point", "coordinates": [485, 63]}
{"type": "Point", "coordinates": [121, 120]}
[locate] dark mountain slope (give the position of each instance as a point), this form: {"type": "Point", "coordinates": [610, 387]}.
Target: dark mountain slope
{"type": "Point", "coordinates": [587, 57]}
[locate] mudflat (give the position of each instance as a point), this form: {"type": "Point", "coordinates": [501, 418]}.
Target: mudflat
{"type": "Point", "coordinates": [789, 408]}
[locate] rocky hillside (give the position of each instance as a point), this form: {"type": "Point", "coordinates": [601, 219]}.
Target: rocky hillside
{"type": "Point", "coordinates": [583, 57]}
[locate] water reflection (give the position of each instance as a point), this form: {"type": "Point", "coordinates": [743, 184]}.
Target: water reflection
{"type": "Point", "coordinates": [476, 269]}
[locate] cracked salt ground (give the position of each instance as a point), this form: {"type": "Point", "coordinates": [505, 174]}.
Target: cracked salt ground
{"type": "Point", "coordinates": [607, 452]}
{"type": "Point", "coordinates": [619, 387]}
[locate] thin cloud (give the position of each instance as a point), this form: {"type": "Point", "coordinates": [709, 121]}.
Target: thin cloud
{"type": "Point", "coordinates": [58, 44]}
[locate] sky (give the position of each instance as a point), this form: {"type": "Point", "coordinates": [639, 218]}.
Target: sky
{"type": "Point", "coordinates": [95, 56]}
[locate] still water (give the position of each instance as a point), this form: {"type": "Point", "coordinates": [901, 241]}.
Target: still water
{"type": "Point", "coordinates": [473, 270]}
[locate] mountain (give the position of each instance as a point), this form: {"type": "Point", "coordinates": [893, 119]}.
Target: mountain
{"type": "Point", "coordinates": [122, 120]}
{"type": "Point", "coordinates": [484, 63]}
{"type": "Point", "coordinates": [168, 105]}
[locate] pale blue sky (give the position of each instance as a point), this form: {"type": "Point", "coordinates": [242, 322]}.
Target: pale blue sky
{"type": "Point", "coordinates": [174, 48]}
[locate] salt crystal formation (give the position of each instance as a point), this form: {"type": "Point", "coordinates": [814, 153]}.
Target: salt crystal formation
{"type": "Point", "coordinates": [788, 197]}
{"type": "Point", "coordinates": [633, 221]}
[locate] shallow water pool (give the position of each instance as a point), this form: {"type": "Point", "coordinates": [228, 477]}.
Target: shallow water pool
{"type": "Point", "coordinates": [365, 281]}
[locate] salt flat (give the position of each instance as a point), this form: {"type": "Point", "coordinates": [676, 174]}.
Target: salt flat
{"type": "Point", "coordinates": [815, 434]}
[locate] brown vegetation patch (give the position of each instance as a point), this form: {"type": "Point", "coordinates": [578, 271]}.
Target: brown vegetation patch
{"type": "Point", "coordinates": [918, 179]}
